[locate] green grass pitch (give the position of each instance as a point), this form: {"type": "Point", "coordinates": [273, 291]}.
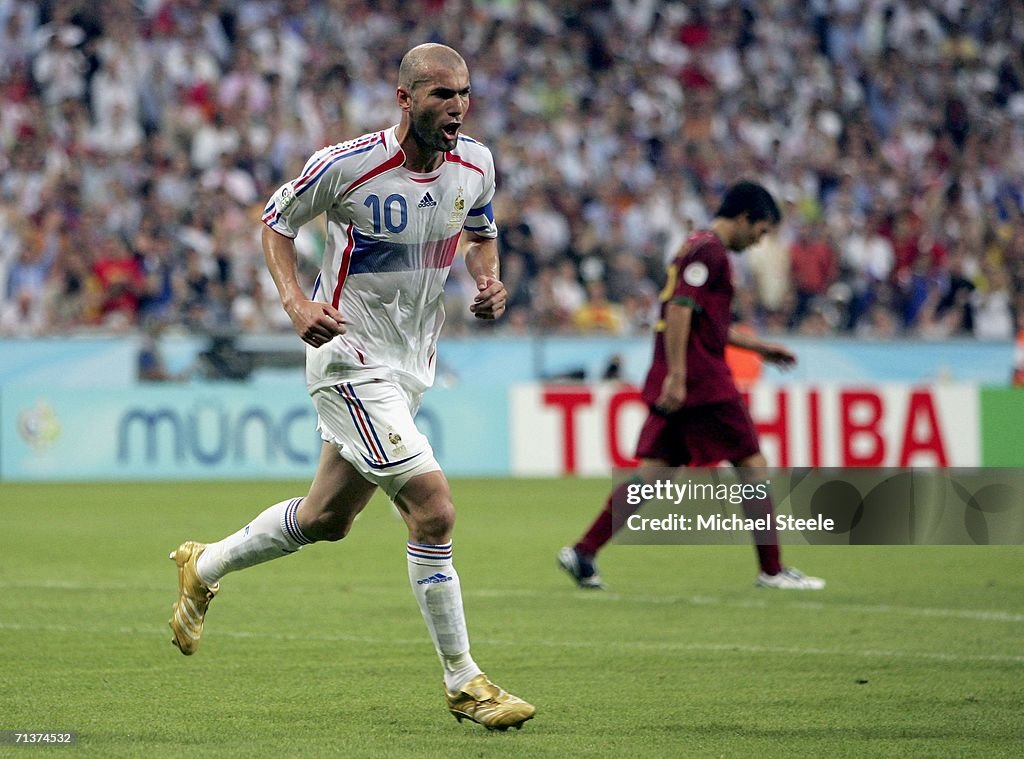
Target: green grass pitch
{"type": "Point", "coordinates": [911, 651]}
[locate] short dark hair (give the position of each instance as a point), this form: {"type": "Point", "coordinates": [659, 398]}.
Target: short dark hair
{"type": "Point", "coordinates": [752, 199]}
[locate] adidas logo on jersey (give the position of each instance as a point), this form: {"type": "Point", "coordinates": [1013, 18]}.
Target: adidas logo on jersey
{"type": "Point", "coordinates": [427, 202]}
{"type": "Point", "coordinates": [434, 579]}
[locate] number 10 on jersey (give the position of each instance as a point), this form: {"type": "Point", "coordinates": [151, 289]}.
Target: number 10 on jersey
{"type": "Point", "coordinates": [393, 206]}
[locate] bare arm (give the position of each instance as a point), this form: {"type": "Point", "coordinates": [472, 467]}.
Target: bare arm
{"type": "Point", "coordinates": [316, 323]}
{"type": "Point", "coordinates": [773, 353]}
{"type": "Point", "coordinates": [677, 334]}
{"type": "Point", "coordinates": [483, 266]}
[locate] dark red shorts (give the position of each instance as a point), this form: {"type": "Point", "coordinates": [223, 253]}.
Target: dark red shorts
{"type": "Point", "coordinates": [699, 435]}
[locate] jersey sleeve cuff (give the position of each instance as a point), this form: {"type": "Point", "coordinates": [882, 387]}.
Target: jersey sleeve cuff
{"type": "Point", "coordinates": [284, 233]}
{"type": "Point", "coordinates": [685, 300]}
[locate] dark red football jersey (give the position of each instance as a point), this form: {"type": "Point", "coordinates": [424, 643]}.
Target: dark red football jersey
{"type": "Point", "coordinates": [701, 277]}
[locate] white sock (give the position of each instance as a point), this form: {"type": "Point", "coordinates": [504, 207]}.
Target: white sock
{"type": "Point", "coordinates": [435, 583]}
{"type": "Point", "coordinates": [272, 534]}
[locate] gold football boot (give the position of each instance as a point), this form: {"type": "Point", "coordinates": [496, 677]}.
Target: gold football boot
{"type": "Point", "coordinates": [194, 598]}
{"type": "Point", "coordinates": [483, 702]}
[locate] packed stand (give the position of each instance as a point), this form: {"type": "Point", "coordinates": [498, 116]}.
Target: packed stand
{"type": "Point", "coordinates": [140, 141]}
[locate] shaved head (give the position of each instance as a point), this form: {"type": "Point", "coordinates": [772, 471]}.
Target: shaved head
{"type": "Point", "coordinates": [418, 63]}
{"type": "Point", "coordinates": [433, 95]}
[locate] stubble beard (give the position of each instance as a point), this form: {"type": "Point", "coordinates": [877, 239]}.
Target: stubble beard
{"type": "Point", "coordinates": [430, 137]}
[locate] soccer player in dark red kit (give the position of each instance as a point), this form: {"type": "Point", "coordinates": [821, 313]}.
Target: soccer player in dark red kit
{"type": "Point", "coordinates": [697, 416]}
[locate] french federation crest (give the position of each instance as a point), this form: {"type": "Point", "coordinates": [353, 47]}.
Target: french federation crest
{"type": "Point", "coordinates": [396, 443]}
{"type": "Point", "coordinates": [458, 214]}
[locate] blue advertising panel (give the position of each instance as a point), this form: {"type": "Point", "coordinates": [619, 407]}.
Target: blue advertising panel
{"type": "Point", "coordinates": [111, 361]}
{"type": "Point", "coordinates": [216, 431]}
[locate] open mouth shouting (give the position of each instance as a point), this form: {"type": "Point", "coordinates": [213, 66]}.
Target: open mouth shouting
{"type": "Point", "coordinates": [451, 131]}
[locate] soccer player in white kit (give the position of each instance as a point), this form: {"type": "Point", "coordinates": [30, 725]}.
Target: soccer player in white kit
{"type": "Point", "coordinates": [397, 204]}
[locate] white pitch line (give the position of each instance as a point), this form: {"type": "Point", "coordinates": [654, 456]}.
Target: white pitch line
{"type": "Point", "coordinates": [634, 646]}
{"type": "Point", "coordinates": [979, 615]}
{"type": "Point", "coordinates": [982, 615]}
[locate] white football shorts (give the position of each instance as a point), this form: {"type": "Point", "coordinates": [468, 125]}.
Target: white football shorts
{"type": "Point", "coordinates": [370, 422]}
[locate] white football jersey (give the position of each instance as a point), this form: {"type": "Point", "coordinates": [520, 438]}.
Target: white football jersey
{"type": "Point", "coordinates": [391, 239]}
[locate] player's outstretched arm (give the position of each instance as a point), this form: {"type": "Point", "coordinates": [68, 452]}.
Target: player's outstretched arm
{"type": "Point", "coordinates": [779, 355]}
{"type": "Point", "coordinates": [316, 323]}
{"type": "Point", "coordinates": [482, 263]}
{"type": "Point", "coordinates": [773, 353]}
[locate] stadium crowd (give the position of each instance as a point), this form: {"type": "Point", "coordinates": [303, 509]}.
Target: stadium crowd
{"type": "Point", "coordinates": [140, 140]}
